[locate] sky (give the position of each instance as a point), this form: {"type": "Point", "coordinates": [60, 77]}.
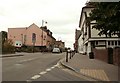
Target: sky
{"type": "Point", "coordinates": [62, 16]}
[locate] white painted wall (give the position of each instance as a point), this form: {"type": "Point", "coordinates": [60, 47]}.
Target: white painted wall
{"type": "Point", "coordinates": [80, 44]}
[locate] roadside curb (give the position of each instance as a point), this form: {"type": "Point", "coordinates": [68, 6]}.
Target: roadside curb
{"type": "Point", "coordinates": [71, 68]}
{"type": "Point", "coordinates": [66, 66]}
{"type": "Point", "coordinates": [10, 56]}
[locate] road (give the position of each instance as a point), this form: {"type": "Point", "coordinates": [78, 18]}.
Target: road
{"type": "Point", "coordinates": [36, 67]}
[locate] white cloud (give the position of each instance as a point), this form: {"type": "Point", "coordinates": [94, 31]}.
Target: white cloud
{"type": "Point", "coordinates": [62, 15]}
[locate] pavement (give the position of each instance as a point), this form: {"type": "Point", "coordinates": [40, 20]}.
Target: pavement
{"type": "Point", "coordinates": [92, 68]}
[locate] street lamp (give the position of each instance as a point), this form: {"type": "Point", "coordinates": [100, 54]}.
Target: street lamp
{"type": "Point", "coordinates": [42, 29]}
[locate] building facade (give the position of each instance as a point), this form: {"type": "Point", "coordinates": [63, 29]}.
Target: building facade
{"type": "Point", "coordinates": [29, 36]}
{"type": "Point", "coordinates": [89, 38]}
{"type": "Point", "coordinates": [77, 35]}
{"type": "Point", "coordinates": [60, 45]}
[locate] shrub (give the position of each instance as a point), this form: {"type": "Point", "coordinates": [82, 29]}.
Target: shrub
{"type": "Point", "coordinates": [8, 47]}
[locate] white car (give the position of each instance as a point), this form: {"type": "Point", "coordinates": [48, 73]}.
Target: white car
{"type": "Point", "coordinates": [56, 50]}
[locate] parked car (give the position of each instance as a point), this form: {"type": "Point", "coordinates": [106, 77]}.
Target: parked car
{"type": "Point", "coordinates": [56, 50]}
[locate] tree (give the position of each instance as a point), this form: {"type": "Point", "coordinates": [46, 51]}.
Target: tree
{"type": "Point", "coordinates": [107, 16]}
{"type": "Point", "coordinates": [7, 44]}
{"type": "Point", "coordinates": [4, 36]}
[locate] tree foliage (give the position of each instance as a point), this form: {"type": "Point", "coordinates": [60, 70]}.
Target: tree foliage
{"type": "Point", "coordinates": [107, 16]}
{"type": "Point", "coordinates": [4, 36]}
{"type": "Point", "coordinates": [7, 44]}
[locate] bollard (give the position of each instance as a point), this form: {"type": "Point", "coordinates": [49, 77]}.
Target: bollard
{"type": "Point", "coordinates": [70, 54]}
{"type": "Point", "coordinates": [67, 56]}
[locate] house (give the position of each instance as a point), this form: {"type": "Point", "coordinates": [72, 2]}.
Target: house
{"type": "Point", "coordinates": [60, 44]}
{"type": "Point", "coordinates": [50, 39]}
{"type": "Point", "coordinates": [29, 36]}
{"type": "Point", "coordinates": [89, 37]}
{"type": "Point", "coordinates": [77, 34]}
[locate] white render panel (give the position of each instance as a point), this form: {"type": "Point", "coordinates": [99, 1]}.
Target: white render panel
{"type": "Point", "coordinates": [80, 44]}
{"type": "Point", "coordinates": [94, 33]}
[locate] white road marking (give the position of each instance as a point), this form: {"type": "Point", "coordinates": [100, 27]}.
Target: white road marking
{"type": "Point", "coordinates": [52, 67]}
{"type": "Point", "coordinates": [27, 60]}
{"type": "Point", "coordinates": [41, 73]}
{"type": "Point", "coordinates": [48, 69]}
{"type": "Point", "coordinates": [35, 77]}
{"type": "Point", "coordinates": [56, 65]}
{"type": "Point", "coordinates": [28, 81]}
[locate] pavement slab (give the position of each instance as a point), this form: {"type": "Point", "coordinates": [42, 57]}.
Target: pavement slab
{"type": "Point", "coordinates": [92, 68]}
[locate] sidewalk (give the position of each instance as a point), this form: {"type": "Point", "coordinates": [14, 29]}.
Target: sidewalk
{"type": "Point", "coordinates": [92, 68]}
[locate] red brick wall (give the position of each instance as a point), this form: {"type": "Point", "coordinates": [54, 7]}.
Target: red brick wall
{"type": "Point", "coordinates": [116, 56]}
{"type": "Point", "coordinates": [101, 54]}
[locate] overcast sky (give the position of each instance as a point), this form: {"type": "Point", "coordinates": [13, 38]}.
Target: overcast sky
{"type": "Point", "coordinates": [62, 16]}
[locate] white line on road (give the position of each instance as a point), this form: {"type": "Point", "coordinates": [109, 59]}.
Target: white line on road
{"type": "Point", "coordinates": [29, 81]}
{"type": "Point", "coordinates": [48, 69]}
{"type": "Point", "coordinates": [56, 65]}
{"type": "Point", "coordinates": [52, 67]}
{"type": "Point", "coordinates": [35, 77]}
{"type": "Point", "coordinates": [28, 60]}
{"type": "Point", "coordinates": [44, 72]}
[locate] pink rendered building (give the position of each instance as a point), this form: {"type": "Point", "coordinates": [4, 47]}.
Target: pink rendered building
{"type": "Point", "coordinates": [24, 35]}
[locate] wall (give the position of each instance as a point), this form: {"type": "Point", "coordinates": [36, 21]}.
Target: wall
{"type": "Point", "coordinates": [16, 34]}
{"type": "Point", "coordinates": [33, 29]}
{"type": "Point", "coordinates": [101, 54]}
{"type": "Point", "coordinates": [116, 56]}
{"type": "Point", "coordinates": [94, 32]}
{"type": "Point", "coordinates": [80, 44]}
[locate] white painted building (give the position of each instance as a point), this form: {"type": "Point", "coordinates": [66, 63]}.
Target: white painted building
{"type": "Point", "coordinates": [89, 37]}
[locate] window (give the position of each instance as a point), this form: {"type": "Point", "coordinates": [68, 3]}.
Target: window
{"type": "Point", "coordinates": [20, 44]}
{"type": "Point", "coordinates": [118, 42]}
{"type": "Point", "coordinates": [44, 36]}
{"type": "Point", "coordinates": [96, 42]}
{"type": "Point", "coordinates": [115, 42]}
{"type": "Point", "coordinates": [25, 36]}
{"type": "Point", "coordinates": [33, 37]}
{"type": "Point", "coordinates": [112, 42]}
{"type": "Point", "coordinates": [17, 44]}
{"type": "Point", "coordinates": [108, 42]}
